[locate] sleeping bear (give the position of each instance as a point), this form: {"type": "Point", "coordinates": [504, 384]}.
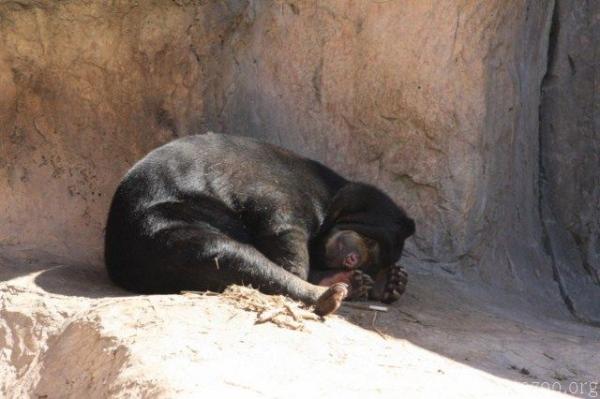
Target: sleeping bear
{"type": "Point", "coordinates": [206, 211]}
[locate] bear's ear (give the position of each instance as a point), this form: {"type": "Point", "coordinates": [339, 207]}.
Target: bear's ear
{"type": "Point", "coordinates": [406, 227]}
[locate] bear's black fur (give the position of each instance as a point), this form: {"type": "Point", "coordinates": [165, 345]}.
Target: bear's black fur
{"type": "Point", "coordinates": [206, 211]}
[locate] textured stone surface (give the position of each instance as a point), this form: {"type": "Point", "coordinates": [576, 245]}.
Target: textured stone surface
{"type": "Point", "coordinates": [86, 90]}
{"type": "Point", "coordinates": [437, 103]}
{"type": "Point", "coordinates": [65, 332]}
{"type": "Point", "coordinates": [570, 146]}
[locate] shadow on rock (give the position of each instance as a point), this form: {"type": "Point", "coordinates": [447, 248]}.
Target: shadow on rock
{"type": "Point", "coordinates": [79, 280]}
{"type": "Point", "coordinates": [498, 332]}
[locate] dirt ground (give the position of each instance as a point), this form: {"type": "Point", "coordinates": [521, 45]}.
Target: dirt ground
{"type": "Point", "coordinates": [65, 331]}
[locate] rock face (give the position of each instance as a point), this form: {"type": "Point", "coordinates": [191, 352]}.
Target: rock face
{"type": "Point", "coordinates": [86, 90]}
{"type": "Point", "coordinates": [439, 104]}
{"type": "Point", "coordinates": [570, 154]}
{"type": "Point", "coordinates": [482, 118]}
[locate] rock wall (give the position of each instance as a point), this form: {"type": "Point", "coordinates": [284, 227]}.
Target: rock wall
{"type": "Point", "coordinates": [87, 88]}
{"type": "Point", "coordinates": [570, 149]}
{"type": "Point", "coordinates": [436, 102]}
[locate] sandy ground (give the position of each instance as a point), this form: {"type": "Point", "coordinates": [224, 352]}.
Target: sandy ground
{"type": "Point", "coordinates": [65, 331]}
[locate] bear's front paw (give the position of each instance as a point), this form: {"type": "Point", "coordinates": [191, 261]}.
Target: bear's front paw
{"type": "Point", "coordinates": [395, 285]}
{"type": "Point", "coordinates": [360, 286]}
